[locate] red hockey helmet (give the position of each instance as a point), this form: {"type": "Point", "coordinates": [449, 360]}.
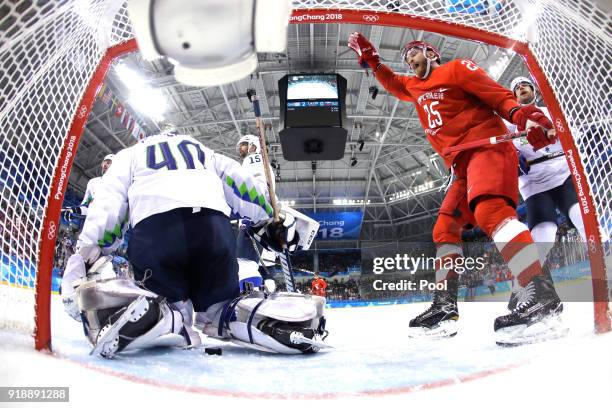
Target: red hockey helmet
{"type": "Point", "coordinates": [423, 46]}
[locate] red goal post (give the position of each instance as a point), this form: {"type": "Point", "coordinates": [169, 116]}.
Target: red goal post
{"type": "Point", "coordinates": [107, 23]}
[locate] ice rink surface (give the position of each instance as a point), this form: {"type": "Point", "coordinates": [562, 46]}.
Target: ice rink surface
{"type": "Point", "coordinates": [373, 362]}
{"type": "Point", "coordinates": [312, 90]}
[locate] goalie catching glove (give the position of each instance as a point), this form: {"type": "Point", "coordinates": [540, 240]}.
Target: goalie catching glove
{"type": "Point", "coordinates": [537, 124]}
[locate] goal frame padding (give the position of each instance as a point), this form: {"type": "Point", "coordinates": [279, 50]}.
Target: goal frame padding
{"type": "Point", "coordinates": [326, 16]}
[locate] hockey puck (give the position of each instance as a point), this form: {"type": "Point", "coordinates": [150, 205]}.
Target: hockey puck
{"type": "Point", "coordinates": [213, 351]}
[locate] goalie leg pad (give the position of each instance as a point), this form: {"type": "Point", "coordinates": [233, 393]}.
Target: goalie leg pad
{"type": "Point", "coordinates": [118, 315]}
{"type": "Point", "coordinates": [248, 274]}
{"type": "Point", "coordinates": [274, 323]}
{"type": "Point", "coordinates": [145, 323]}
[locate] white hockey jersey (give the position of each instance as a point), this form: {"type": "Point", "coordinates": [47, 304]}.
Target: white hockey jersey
{"type": "Point", "coordinates": [165, 172]}
{"type": "Point", "coordinates": [90, 193]}
{"type": "Point", "coordinates": [253, 163]}
{"type": "Point", "coordinates": [542, 176]}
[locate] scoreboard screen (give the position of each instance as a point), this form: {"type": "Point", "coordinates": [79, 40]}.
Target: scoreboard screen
{"type": "Point", "coordinates": [312, 101]}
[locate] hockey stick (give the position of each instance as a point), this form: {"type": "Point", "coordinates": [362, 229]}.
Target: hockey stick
{"type": "Point", "coordinates": [484, 142]}
{"type": "Point", "coordinates": [546, 157]}
{"type": "Point", "coordinates": [284, 255]}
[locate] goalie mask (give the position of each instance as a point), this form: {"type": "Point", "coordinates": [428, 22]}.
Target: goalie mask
{"type": "Point", "coordinates": [210, 42]}
{"type": "Point", "coordinates": [249, 140]}
{"type": "Point", "coordinates": [423, 47]}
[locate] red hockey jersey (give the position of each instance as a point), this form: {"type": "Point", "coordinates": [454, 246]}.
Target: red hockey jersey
{"type": "Point", "coordinates": [455, 104]}
{"type": "Point", "coordinates": [318, 287]}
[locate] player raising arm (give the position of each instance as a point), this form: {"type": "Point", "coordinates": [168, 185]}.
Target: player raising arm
{"type": "Point", "coordinates": [177, 195]}
{"type": "Point", "coordinates": [458, 102]}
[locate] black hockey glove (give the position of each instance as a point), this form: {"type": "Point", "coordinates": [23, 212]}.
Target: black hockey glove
{"type": "Point", "coordinates": [273, 236]}
{"type": "Point", "coordinates": [68, 213]}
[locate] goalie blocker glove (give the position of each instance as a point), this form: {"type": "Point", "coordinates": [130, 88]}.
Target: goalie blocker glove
{"type": "Point", "coordinates": [274, 236]}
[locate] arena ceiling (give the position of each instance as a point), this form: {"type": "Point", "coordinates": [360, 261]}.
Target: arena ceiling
{"type": "Point", "coordinates": [396, 179]}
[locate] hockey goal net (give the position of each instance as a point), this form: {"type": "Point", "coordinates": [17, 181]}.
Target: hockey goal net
{"type": "Point", "coordinates": [54, 56]}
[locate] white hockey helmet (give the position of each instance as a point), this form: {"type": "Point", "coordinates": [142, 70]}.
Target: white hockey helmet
{"type": "Point", "coordinates": [521, 80]}
{"type": "Point", "coordinates": [210, 42]}
{"type": "Point", "coordinates": [106, 162]}
{"type": "Point", "coordinates": [252, 140]}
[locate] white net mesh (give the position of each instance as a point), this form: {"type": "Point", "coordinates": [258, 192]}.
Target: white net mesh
{"type": "Point", "coordinates": [49, 50]}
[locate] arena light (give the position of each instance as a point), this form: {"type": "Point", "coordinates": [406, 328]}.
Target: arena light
{"type": "Point", "coordinates": [349, 202]}
{"type": "Point", "coordinates": [498, 68]}
{"type": "Point", "coordinates": [146, 100]}
{"type": "Point", "coordinates": [129, 77]}
{"type": "Point", "coordinates": [149, 102]}
{"type": "Point", "coordinates": [414, 191]}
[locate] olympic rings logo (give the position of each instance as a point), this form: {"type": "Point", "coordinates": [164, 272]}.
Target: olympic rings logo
{"type": "Point", "coordinates": [52, 231]}
{"type": "Point", "coordinates": [82, 112]}
{"type": "Point", "coordinates": [592, 244]}
{"type": "Point", "coordinates": [559, 125]}
{"type": "Point", "coordinates": [371, 18]}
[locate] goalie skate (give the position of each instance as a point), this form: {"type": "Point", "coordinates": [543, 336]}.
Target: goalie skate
{"type": "Point", "coordinates": [108, 339]}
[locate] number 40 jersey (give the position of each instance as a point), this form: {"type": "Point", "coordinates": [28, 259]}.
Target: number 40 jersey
{"type": "Point", "coordinates": [164, 172]}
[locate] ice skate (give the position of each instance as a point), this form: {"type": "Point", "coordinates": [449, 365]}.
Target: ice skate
{"type": "Point", "coordinates": [520, 295]}
{"type": "Point", "coordinates": [440, 320]}
{"type": "Point", "coordinates": [535, 318]}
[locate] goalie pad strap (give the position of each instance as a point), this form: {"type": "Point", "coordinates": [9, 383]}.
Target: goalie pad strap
{"type": "Point", "coordinates": [250, 321]}
{"type": "Point", "coordinates": [226, 315]}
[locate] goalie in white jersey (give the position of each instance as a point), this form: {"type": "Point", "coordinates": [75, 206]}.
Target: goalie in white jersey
{"type": "Point", "coordinates": [177, 195]}
{"type": "Point", "coordinates": [545, 182]}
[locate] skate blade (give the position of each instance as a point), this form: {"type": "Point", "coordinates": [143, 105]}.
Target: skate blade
{"type": "Point", "coordinates": [114, 330]}
{"type": "Point", "coordinates": [448, 328]}
{"type": "Point", "coordinates": [300, 339]}
{"type": "Point", "coordinates": [544, 330]}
